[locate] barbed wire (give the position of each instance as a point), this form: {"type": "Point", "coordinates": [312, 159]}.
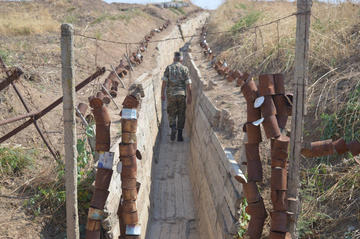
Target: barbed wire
{"type": "Point", "coordinates": [244, 29]}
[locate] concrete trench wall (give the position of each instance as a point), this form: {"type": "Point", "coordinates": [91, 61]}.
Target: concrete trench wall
{"type": "Point", "coordinates": [148, 129]}
{"type": "Point", "coordinates": [216, 193]}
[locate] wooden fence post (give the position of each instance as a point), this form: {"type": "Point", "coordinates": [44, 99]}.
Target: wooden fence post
{"type": "Point", "coordinates": [68, 84]}
{"type": "Point", "coordinates": [300, 80]}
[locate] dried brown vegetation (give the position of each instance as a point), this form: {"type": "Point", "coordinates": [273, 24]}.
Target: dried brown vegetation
{"type": "Point", "coordinates": [330, 189]}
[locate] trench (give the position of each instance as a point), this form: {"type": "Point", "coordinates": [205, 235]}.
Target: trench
{"type": "Point", "coordinates": [187, 188]}
{"type": "Point", "coordinates": [172, 204]}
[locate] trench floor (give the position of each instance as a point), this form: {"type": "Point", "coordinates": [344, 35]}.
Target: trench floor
{"type": "Point", "coordinates": [172, 204]}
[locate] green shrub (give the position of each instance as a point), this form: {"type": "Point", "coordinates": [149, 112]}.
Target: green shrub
{"type": "Point", "coordinates": [243, 219]}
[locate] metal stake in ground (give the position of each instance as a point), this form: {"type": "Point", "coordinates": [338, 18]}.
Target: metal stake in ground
{"type": "Point", "coordinates": [68, 84]}
{"type": "Point", "coordinates": [300, 79]}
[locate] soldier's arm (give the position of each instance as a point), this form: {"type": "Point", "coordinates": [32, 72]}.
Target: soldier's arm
{"type": "Point", "coordinates": [165, 79]}
{"type": "Point", "coordinates": [188, 94]}
{"type": "Point", "coordinates": [188, 86]}
{"type": "Point", "coordinates": [163, 86]}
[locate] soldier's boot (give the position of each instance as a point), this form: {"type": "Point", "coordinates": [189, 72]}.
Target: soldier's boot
{"type": "Point", "coordinates": [180, 137]}
{"type": "Point", "coordinates": [173, 133]}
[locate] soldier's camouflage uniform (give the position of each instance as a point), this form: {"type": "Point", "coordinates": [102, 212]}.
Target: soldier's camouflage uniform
{"type": "Point", "coordinates": [176, 77]}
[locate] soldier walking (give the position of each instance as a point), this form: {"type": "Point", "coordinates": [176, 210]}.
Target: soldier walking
{"type": "Point", "coordinates": [177, 83]}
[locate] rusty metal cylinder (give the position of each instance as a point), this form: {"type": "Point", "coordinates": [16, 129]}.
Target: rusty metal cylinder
{"type": "Point", "coordinates": [129, 194]}
{"type": "Point", "coordinates": [129, 125]}
{"type": "Point", "coordinates": [319, 149]}
{"type": "Point", "coordinates": [82, 107]}
{"type": "Point", "coordinates": [93, 225]}
{"type": "Point", "coordinates": [283, 107]}
{"type": "Point", "coordinates": [128, 161]}
{"type": "Point", "coordinates": [115, 85]}
{"type": "Point", "coordinates": [103, 121]}
{"type": "Point", "coordinates": [128, 183]}
{"type": "Point", "coordinates": [103, 178]}
{"type": "Point", "coordinates": [241, 79]}
{"type": "Point", "coordinates": [340, 146]}
{"type": "Point", "coordinates": [354, 147]}
{"type": "Point", "coordinates": [268, 107]}
{"type": "Point", "coordinates": [266, 85]}
{"type": "Point", "coordinates": [252, 151]}
{"type": "Point", "coordinates": [129, 206]}
{"type": "Point", "coordinates": [128, 138]}
{"type": "Point", "coordinates": [258, 215]}
{"type": "Point", "coordinates": [131, 102]}
{"type": "Point", "coordinates": [250, 91]}
{"type": "Point", "coordinates": [99, 198]}
{"type": "Point", "coordinates": [254, 170]}
{"type": "Point", "coordinates": [127, 149]}
{"type": "Point", "coordinates": [129, 171]}
{"type": "Point", "coordinates": [90, 118]}
{"type": "Point", "coordinates": [251, 192]}
{"type": "Point", "coordinates": [253, 114]}
{"type": "Point", "coordinates": [108, 84]}
{"type": "Point", "coordinates": [130, 218]}
{"type": "Point", "coordinates": [92, 234]}
{"type": "Point", "coordinates": [279, 84]}
{"type": "Point", "coordinates": [254, 167]}
{"type": "Point", "coordinates": [253, 134]}
{"type": "Point", "coordinates": [105, 99]}
{"type": "Point", "coordinates": [281, 163]}
{"type": "Point", "coordinates": [93, 229]}
{"type": "Point", "coordinates": [230, 77]}
{"type": "Point", "coordinates": [282, 121]}
{"type": "Point", "coordinates": [278, 178]}
{"type": "Point", "coordinates": [113, 93]}
{"type": "Point", "coordinates": [279, 147]}
{"type": "Point", "coordinates": [271, 127]}
{"type": "Point", "coordinates": [279, 200]}
{"type": "Point", "coordinates": [278, 221]}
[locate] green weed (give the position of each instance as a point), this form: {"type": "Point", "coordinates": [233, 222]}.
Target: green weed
{"type": "Point", "coordinates": [51, 197]}
{"type": "Point", "coordinates": [5, 55]}
{"type": "Point", "coordinates": [14, 160]}
{"type": "Point", "coordinates": [345, 122]}
{"type": "Point", "coordinates": [71, 19]}
{"type": "Point", "coordinates": [181, 10]}
{"type": "Point", "coordinates": [243, 219]}
{"type": "Point", "coordinates": [241, 6]}
{"type": "Point", "coordinates": [246, 21]}
{"type": "Point", "coordinates": [99, 19]}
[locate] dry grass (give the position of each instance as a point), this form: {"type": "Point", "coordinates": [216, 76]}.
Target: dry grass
{"type": "Point", "coordinates": [25, 21]}
{"type": "Point", "coordinates": [273, 45]}
{"type": "Point", "coordinates": [330, 186]}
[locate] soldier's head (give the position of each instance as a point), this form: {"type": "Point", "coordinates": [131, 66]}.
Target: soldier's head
{"type": "Point", "coordinates": [178, 57]}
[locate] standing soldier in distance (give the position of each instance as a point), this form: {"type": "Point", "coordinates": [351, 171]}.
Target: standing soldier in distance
{"type": "Point", "coordinates": [177, 83]}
